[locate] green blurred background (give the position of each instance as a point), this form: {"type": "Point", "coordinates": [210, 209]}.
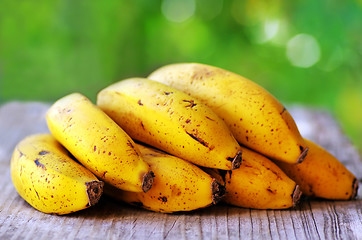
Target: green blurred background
{"type": "Point", "coordinates": [305, 52]}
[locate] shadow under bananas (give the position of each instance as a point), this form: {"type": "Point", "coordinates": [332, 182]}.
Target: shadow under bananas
{"type": "Point", "coordinates": [108, 209]}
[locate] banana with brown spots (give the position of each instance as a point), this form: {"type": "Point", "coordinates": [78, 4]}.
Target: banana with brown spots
{"type": "Point", "coordinates": [258, 184]}
{"type": "Point", "coordinates": [170, 120]}
{"type": "Point", "coordinates": [178, 186]}
{"type": "Point", "coordinates": [256, 118]}
{"type": "Point", "coordinates": [46, 176]}
{"type": "Point", "coordinates": [98, 143]}
{"type": "Point", "coordinates": [322, 175]}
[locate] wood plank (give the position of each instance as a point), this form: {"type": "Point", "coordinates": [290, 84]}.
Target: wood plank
{"type": "Point", "coordinates": [312, 219]}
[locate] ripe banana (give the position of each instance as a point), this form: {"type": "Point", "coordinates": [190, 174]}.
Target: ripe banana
{"type": "Point", "coordinates": [172, 121]}
{"type": "Point", "coordinates": [257, 119]}
{"type": "Point", "coordinates": [178, 186]}
{"type": "Point", "coordinates": [98, 143]}
{"type": "Point", "coordinates": [258, 184]}
{"type": "Point", "coordinates": [322, 175]}
{"type": "Point", "coordinates": [44, 175]}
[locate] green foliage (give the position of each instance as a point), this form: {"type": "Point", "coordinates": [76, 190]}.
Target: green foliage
{"type": "Point", "coordinates": [52, 48]}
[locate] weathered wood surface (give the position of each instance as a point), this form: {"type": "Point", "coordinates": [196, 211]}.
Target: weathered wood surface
{"type": "Point", "coordinates": [312, 219]}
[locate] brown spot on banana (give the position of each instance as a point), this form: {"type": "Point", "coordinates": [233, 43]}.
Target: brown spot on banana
{"type": "Point", "coordinates": [275, 173]}
{"type": "Point", "coordinates": [230, 173]}
{"type": "Point", "coordinates": [163, 199]}
{"type": "Point", "coordinates": [210, 118]}
{"type": "Point", "coordinates": [130, 144]}
{"type": "Point", "coordinates": [43, 153]}
{"type": "Point", "coordinates": [147, 181]}
{"type": "Point", "coordinates": [198, 139]}
{"type": "Point", "coordinates": [143, 127]}
{"type": "Point", "coordinates": [37, 194]}
{"type": "Point", "coordinates": [20, 153]}
{"type": "Point", "coordinates": [271, 191]}
{"type": "Point", "coordinates": [139, 102]}
{"type": "Point", "coordinates": [201, 73]}
{"type": "Point", "coordinates": [94, 191]}
{"type": "Point", "coordinates": [38, 164]}
{"type": "Point", "coordinates": [191, 103]}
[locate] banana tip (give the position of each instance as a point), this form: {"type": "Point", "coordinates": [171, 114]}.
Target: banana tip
{"type": "Point", "coordinates": [236, 162]}
{"type": "Point", "coordinates": [218, 191]}
{"type": "Point", "coordinates": [297, 193]}
{"type": "Point", "coordinates": [354, 189]}
{"type": "Point", "coordinates": [94, 191]}
{"type": "Point", "coordinates": [148, 181]}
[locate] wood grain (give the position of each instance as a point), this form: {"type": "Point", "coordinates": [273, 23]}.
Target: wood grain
{"type": "Point", "coordinates": [312, 219]}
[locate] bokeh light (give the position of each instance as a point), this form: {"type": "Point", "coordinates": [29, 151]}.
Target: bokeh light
{"type": "Point", "coordinates": [303, 50]}
{"type": "Point", "coordinates": [178, 10]}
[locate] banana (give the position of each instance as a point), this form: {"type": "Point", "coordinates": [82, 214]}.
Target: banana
{"type": "Point", "coordinates": [258, 184]}
{"type": "Point", "coordinates": [98, 143]}
{"type": "Point", "coordinates": [256, 119]}
{"type": "Point", "coordinates": [322, 175]}
{"type": "Point", "coordinates": [178, 186]}
{"type": "Point", "coordinates": [172, 121]}
{"type": "Point", "coordinates": [46, 176]}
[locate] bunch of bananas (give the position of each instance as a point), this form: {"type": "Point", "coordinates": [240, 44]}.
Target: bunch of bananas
{"type": "Point", "coordinates": [186, 137]}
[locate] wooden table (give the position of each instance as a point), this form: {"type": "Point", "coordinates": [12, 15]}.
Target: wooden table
{"type": "Point", "coordinates": [312, 219]}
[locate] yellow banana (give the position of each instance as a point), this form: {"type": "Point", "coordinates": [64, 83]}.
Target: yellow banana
{"type": "Point", "coordinates": [178, 186]}
{"type": "Point", "coordinates": [258, 184]}
{"type": "Point", "coordinates": [172, 121]}
{"type": "Point", "coordinates": [322, 175]}
{"type": "Point", "coordinates": [98, 143]}
{"type": "Point", "coordinates": [257, 119]}
{"type": "Point", "coordinates": [44, 175]}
